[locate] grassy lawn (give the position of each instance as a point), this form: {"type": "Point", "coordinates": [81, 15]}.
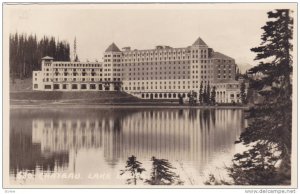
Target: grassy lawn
{"type": "Point", "coordinates": [81, 98]}
{"type": "Point", "coordinates": [60, 95]}
{"type": "Point", "coordinates": [21, 85]}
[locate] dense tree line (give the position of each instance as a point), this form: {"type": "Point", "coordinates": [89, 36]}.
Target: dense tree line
{"type": "Point", "coordinates": [207, 95]}
{"type": "Point", "coordinates": [192, 98]}
{"type": "Point", "coordinates": [25, 53]}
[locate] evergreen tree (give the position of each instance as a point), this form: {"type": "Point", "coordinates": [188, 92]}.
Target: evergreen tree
{"type": "Point", "coordinates": [201, 93]}
{"type": "Point", "coordinates": [192, 98]}
{"type": "Point", "coordinates": [208, 94]}
{"type": "Point", "coordinates": [243, 95]}
{"type": "Point", "coordinates": [76, 59]}
{"type": "Point", "coordinates": [25, 53]}
{"type": "Point", "coordinates": [180, 97]}
{"type": "Point", "coordinates": [268, 136]}
{"type": "Point", "coordinates": [204, 95]}
{"type": "Point", "coordinates": [213, 96]}
{"type": "Point", "coordinates": [237, 73]}
{"type": "Point", "coordinates": [161, 173]}
{"type": "Point", "coordinates": [134, 168]}
{"type": "Point", "coordinates": [213, 181]}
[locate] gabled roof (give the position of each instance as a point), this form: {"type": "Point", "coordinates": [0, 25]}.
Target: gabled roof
{"type": "Point", "coordinates": [112, 48]}
{"type": "Point", "coordinates": [47, 58]}
{"type": "Point", "coordinates": [199, 41]}
{"type": "Point", "coordinates": [218, 55]}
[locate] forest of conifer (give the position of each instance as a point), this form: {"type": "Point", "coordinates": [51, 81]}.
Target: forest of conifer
{"type": "Point", "coordinates": [26, 51]}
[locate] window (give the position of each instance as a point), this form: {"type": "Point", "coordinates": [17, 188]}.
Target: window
{"type": "Point", "coordinates": [56, 86]}
{"type": "Point", "coordinates": [83, 86]}
{"type": "Point", "coordinates": [74, 86]}
{"type": "Point", "coordinates": [47, 86]}
{"type": "Point", "coordinates": [92, 86]}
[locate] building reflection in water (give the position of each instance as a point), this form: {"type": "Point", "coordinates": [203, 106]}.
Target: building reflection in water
{"type": "Point", "coordinates": [51, 141]}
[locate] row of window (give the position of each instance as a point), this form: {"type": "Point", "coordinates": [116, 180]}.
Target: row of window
{"type": "Point", "coordinates": [168, 84]}
{"type": "Point", "coordinates": [160, 58]}
{"type": "Point", "coordinates": [160, 87]}
{"type": "Point", "coordinates": [159, 78]}
{"type": "Point", "coordinates": [155, 59]}
{"type": "Point", "coordinates": [169, 59]}
{"type": "Point", "coordinates": [138, 69]}
{"type": "Point", "coordinates": [114, 74]}
{"type": "Point", "coordinates": [159, 73]}
{"type": "Point", "coordinates": [224, 66]}
{"type": "Point", "coordinates": [77, 69]}
{"type": "Point", "coordinates": [114, 60]}
{"type": "Point", "coordinates": [119, 79]}
{"type": "Point", "coordinates": [223, 94]}
{"type": "Point", "coordinates": [112, 55]}
{"type": "Point", "coordinates": [75, 86]}
{"type": "Point", "coordinates": [155, 52]}
{"type": "Point", "coordinates": [224, 71]}
{"type": "Point", "coordinates": [222, 60]}
{"type": "Point", "coordinates": [156, 68]}
{"type": "Point", "coordinates": [165, 82]}
{"type": "Point", "coordinates": [157, 88]}
{"type": "Point", "coordinates": [77, 79]}
{"type": "Point", "coordinates": [177, 95]}
{"type": "Point", "coordinates": [115, 65]}
{"type": "Point", "coordinates": [163, 95]}
{"type": "Point", "coordinates": [137, 76]}
{"type": "Point", "coordinates": [67, 64]}
{"type": "Point", "coordinates": [224, 77]}
{"type": "Point", "coordinates": [133, 69]}
{"type": "Point", "coordinates": [76, 74]}
{"type": "Point", "coordinates": [128, 64]}
{"type": "Point", "coordinates": [81, 79]}
{"type": "Point", "coordinates": [156, 63]}
{"type": "Point", "coordinates": [227, 85]}
{"type": "Point", "coordinates": [76, 65]}
{"type": "Point", "coordinates": [219, 94]}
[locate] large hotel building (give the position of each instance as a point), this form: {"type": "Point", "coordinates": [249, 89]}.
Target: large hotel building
{"type": "Point", "coordinates": [160, 73]}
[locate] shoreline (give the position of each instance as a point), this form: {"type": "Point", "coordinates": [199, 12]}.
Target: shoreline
{"type": "Point", "coordinates": [120, 105]}
{"type": "Point", "coordinates": [56, 99]}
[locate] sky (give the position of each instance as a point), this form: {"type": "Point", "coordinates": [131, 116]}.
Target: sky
{"type": "Point", "coordinates": [232, 29]}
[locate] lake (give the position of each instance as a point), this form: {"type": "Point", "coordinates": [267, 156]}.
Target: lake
{"type": "Point", "coordinates": [89, 146]}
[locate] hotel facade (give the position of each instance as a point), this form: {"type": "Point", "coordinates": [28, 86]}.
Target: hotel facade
{"type": "Point", "coordinates": [160, 73]}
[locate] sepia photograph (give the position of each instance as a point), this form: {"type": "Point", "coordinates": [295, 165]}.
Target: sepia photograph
{"type": "Point", "coordinates": [149, 95]}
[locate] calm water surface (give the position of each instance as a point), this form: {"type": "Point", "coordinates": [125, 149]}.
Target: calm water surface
{"type": "Point", "coordinates": [90, 146]}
